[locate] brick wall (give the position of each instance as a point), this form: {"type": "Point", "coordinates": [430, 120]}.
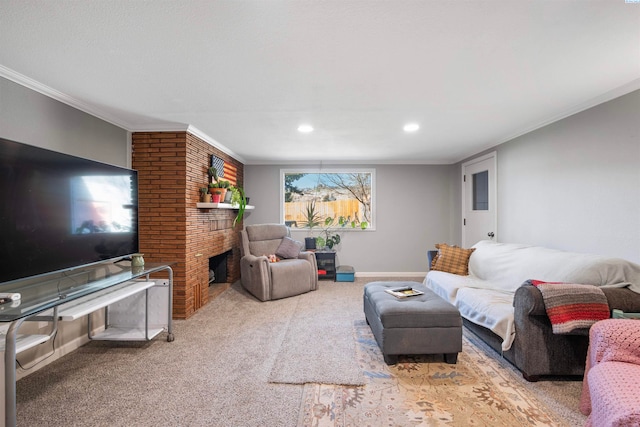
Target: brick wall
{"type": "Point", "coordinates": [172, 166]}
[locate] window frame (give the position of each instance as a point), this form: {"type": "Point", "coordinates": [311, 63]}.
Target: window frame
{"type": "Point", "coordinates": [371, 171]}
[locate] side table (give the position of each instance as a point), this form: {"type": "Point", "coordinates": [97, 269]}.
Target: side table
{"type": "Point", "coordinates": [327, 262]}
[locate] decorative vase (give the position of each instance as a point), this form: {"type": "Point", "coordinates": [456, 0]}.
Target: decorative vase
{"type": "Point", "coordinates": [137, 260]}
{"type": "Point", "coordinates": [227, 197]}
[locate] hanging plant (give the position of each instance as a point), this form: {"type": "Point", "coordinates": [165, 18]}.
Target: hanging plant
{"type": "Point", "coordinates": [239, 200]}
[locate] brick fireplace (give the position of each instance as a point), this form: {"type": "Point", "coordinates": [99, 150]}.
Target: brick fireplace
{"type": "Point", "coordinates": [172, 166]}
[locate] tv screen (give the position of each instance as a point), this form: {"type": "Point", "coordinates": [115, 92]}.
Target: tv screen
{"type": "Point", "coordinates": [59, 211]}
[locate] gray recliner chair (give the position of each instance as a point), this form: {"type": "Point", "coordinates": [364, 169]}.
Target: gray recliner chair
{"type": "Point", "coordinates": [293, 275]}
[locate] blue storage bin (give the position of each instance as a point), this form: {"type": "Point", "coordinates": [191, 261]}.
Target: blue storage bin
{"type": "Point", "coordinates": [345, 273]}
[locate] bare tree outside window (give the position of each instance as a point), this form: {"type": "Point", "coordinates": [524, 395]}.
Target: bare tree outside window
{"type": "Point", "coordinates": [328, 198]}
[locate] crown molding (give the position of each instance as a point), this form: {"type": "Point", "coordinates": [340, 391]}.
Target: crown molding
{"type": "Point", "coordinates": [262, 162]}
{"type": "Point", "coordinates": [179, 127]}
{"type": "Point", "coordinates": [43, 89]}
{"type": "Point", "coordinates": [625, 89]}
{"type": "Point", "coordinates": [197, 132]}
{"type": "Point", "coordinates": [34, 85]}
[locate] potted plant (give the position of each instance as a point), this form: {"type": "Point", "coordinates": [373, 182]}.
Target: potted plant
{"type": "Point", "coordinates": [216, 192]}
{"type": "Point", "coordinates": [217, 183]}
{"type": "Point", "coordinates": [224, 186]}
{"type": "Point", "coordinates": [204, 195]}
{"type": "Point", "coordinates": [213, 174]}
{"type": "Point", "coordinates": [311, 219]}
{"type": "Point", "coordinates": [331, 237]}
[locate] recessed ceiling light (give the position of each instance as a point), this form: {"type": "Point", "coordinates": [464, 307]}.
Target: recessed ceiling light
{"type": "Point", "coordinates": [305, 128]}
{"type": "Point", "coordinates": [411, 127]}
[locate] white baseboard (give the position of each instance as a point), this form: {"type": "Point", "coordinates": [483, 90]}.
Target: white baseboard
{"type": "Point", "coordinates": [417, 274]}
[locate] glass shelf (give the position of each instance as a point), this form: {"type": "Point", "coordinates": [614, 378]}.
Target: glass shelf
{"type": "Point", "coordinates": [44, 292]}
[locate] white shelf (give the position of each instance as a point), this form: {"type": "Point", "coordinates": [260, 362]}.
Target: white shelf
{"type": "Point", "coordinates": [114, 333]}
{"type": "Point", "coordinates": [82, 306]}
{"type": "Point", "coordinates": [201, 205]}
{"type": "Point", "coordinates": [25, 342]}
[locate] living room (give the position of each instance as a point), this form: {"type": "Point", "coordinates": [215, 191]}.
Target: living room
{"type": "Point", "coordinates": [568, 178]}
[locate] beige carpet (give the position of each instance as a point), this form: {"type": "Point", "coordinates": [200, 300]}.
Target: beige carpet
{"type": "Point", "coordinates": [425, 391]}
{"type": "Point", "coordinates": [217, 371]}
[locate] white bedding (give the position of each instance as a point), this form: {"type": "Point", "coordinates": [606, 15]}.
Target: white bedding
{"type": "Point", "coordinates": [507, 265]}
{"type": "Point", "coordinates": [496, 270]}
{"type": "Point", "coordinates": [492, 309]}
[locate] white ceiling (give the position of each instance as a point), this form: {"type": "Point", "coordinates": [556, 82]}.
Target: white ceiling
{"type": "Point", "coordinates": [246, 73]}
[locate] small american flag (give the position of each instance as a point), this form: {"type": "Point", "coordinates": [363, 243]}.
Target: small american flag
{"type": "Point", "coordinates": [218, 163]}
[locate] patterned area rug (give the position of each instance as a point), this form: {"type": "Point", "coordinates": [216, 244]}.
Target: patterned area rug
{"type": "Point", "coordinates": [424, 391]}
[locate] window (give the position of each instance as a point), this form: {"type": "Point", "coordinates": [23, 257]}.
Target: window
{"type": "Point", "coordinates": [481, 191]}
{"type": "Point", "coordinates": [327, 198]}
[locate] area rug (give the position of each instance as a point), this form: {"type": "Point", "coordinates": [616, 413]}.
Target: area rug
{"type": "Point", "coordinates": [319, 344]}
{"type": "Point", "coordinates": [424, 391]}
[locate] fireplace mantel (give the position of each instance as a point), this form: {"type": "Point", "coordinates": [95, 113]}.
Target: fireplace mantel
{"type": "Point", "coordinates": [202, 205]}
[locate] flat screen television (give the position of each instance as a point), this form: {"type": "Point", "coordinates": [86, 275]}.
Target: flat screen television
{"type": "Point", "coordinates": [59, 212]}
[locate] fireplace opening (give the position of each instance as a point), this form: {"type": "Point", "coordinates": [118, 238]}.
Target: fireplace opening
{"type": "Point", "coordinates": [218, 268]}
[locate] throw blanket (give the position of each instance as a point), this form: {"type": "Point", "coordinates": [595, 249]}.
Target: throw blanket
{"type": "Point", "coordinates": [572, 306]}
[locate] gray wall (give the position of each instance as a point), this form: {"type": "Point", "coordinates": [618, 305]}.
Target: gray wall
{"type": "Point", "coordinates": [413, 213]}
{"type": "Point", "coordinates": [572, 185]}
{"type": "Point", "coordinates": [575, 184]}
{"type": "Point", "coordinates": [32, 118]}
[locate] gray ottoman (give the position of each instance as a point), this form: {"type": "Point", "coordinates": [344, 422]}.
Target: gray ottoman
{"type": "Point", "coordinates": [422, 324]}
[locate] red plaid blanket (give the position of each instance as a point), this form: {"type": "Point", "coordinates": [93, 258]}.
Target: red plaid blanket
{"type": "Point", "coordinates": [572, 306]}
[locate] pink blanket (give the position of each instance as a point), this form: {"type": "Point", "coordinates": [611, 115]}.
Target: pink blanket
{"type": "Point", "coordinates": [612, 374]}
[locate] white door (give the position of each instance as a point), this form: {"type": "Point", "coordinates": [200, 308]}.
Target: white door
{"type": "Point", "coordinates": [479, 207]}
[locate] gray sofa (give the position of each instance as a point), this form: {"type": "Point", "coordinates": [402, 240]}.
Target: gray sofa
{"type": "Point", "coordinates": [522, 333]}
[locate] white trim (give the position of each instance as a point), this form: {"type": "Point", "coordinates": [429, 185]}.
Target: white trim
{"type": "Point", "coordinates": [421, 274]}
{"type": "Point", "coordinates": [197, 132]}
{"type": "Point", "coordinates": [350, 162]}
{"type": "Point", "coordinates": [45, 90]}
{"type": "Point", "coordinates": [29, 83]}
{"type": "Point", "coordinates": [179, 127]}
{"type": "Point", "coordinates": [160, 127]}
{"type": "Point", "coordinates": [593, 102]}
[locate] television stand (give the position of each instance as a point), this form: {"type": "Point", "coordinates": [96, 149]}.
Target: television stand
{"type": "Point", "coordinates": [125, 293]}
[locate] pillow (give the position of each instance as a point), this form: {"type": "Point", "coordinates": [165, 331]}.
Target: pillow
{"type": "Point", "coordinates": [288, 248]}
{"type": "Point", "coordinates": [452, 259]}
{"type": "Point", "coordinates": [434, 260]}
{"type": "Point", "coordinates": [435, 257]}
